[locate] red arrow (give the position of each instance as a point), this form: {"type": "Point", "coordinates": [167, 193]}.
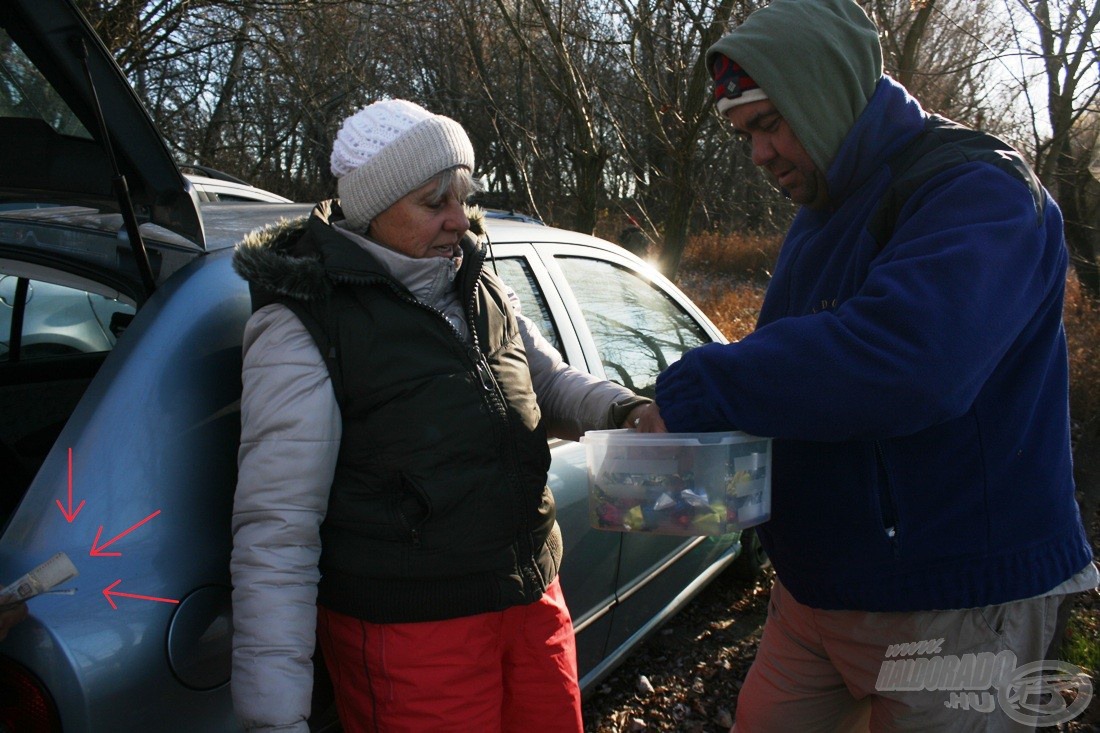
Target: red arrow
{"type": "Point", "coordinates": [99, 551]}
{"type": "Point", "coordinates": [107, 593]}
{"type": "Point", "coordinates": [70, 515]}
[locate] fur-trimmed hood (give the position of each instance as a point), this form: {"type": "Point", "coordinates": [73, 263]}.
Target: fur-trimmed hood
{"type": "Point", "coordinates": [285, 258]}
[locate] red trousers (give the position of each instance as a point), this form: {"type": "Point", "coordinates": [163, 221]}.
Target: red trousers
{"type": "Point", "coordinates": [512, 670]}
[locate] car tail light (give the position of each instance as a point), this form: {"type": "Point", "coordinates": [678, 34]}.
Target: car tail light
{"type": "Point", "coordinates": [25, 704]}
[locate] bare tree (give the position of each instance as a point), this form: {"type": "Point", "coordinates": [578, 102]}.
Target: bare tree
{"type": "Point", "coordinates": [575, 106]}
{"type": "Point", "coordinates": [950, 55]}
{"type": "Point", "coordinates": [1061, 35]}
{"type": "Point", "coordinates": [155, 45]}
{"type": "Point", "coordinates": [561, 48]}
{"type": "Point", "coordinates": [210, 142]}
{"type": "Point", "coordinates": [310, 67]}
{"type": "Point", "coordinates": [668, 99]}
{"type": "Point", "coordinates": [138, 31]}
{"type": "Point", "coordinates": [1080, 200]}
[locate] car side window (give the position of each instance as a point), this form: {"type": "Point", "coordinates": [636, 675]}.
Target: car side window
{"type": "Point", "coordinates": [638, 328]}
{"type": "Point", "coordinates": [55, 320]}
{"type": "Point", "coordinates": [516, 274]}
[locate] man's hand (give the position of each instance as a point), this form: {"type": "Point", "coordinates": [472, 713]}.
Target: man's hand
{"type": "Point", "coordinates": [646, 419]}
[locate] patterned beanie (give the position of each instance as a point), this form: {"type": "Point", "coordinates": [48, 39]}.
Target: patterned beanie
{"type": "Point", "coordinates": [732, 85]}
{"type": "Point", "coordinates": [388, 149]}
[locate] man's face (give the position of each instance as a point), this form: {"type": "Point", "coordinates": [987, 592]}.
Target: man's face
{"type": "Point", "coordinates": [776, 149]}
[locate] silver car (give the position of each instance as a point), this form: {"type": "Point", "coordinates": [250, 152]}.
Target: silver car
{"type": "Point", "coordinates": [121, 450]}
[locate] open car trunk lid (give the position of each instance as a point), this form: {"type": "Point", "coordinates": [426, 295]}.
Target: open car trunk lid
{"type": "Point", "coordinates": [58, 206]}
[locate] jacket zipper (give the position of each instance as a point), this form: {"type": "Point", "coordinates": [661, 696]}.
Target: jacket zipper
{"type": "Point", "coordinates": [886, 498]}
{"type": "Point", "coordinates": [531, 579]}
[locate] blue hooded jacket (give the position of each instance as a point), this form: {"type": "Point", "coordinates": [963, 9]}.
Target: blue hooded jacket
{"type": "Point", "coordinates": [916, 388]}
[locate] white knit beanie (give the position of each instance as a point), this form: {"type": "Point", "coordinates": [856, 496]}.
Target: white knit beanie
{"type": "Point", "coordinates": [388, 149]}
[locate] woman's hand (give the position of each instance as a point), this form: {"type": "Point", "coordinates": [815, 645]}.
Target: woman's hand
{"type": "Point", "coordinates": [646, 419]}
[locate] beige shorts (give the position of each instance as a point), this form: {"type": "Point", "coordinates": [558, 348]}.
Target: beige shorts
{"type": "Point", "coordinates": [831, 671]}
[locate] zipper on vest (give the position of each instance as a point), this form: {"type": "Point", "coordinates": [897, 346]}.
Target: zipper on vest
{"type": "Point", "coordinates": [526, 562]}
{"type": "Point", "coordinates": [886, 499]}
{"type": "Point", "coordinates": [484, 373]}
{"type": "Point", "coordinates": [531, 578]}
{"type": "Point", "coordinates": [525, 552]}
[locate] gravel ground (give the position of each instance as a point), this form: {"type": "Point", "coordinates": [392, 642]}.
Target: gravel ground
{"type": "Point", "coordinates": [687, 676]}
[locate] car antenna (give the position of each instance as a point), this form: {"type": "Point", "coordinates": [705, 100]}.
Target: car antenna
{"type": "Point", "coordinates": [118, 180]}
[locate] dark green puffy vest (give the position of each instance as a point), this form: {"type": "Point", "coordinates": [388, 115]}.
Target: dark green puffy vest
{"type": "Point", "coordinates": [439, 505]}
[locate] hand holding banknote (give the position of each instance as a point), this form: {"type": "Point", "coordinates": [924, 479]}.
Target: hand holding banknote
{"type": "Point", "coordinates": [13, 598]}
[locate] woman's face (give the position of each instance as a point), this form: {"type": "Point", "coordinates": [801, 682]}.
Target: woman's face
{"type": "Point", "coordinates": [421, 224]}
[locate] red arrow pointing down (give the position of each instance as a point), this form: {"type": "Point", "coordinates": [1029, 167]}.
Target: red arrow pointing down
{"type": "Point", "coordinates": [107, 593]}
{"type": "Point", "coordinates": [69, 514]}
{"type": "Point", "coordinates": [98, 551]}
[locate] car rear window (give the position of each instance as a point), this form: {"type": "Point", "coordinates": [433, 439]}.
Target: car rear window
{"type": "Point", "coordinates": [25, 93]}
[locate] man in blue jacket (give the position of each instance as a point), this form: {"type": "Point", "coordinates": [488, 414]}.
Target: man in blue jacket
{"type": "Point", "coordinates": [910, 362]}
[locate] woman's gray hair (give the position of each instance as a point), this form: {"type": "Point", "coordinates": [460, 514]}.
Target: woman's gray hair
{"type": "Point", "coordinates": [458, 181]}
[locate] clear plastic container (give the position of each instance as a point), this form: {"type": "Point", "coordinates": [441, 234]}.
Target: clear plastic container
{"type": "Point", "coordinates": [677, 483]}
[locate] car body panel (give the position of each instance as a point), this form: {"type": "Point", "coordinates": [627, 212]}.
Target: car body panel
{"type": "Point", "coordinates": [188, 409]}
{"type": "Point", "coordinates": [225, 223]}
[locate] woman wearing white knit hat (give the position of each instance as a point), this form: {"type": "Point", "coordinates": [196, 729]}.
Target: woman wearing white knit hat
{"type": "Point", "coordinates": [391, 499]}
